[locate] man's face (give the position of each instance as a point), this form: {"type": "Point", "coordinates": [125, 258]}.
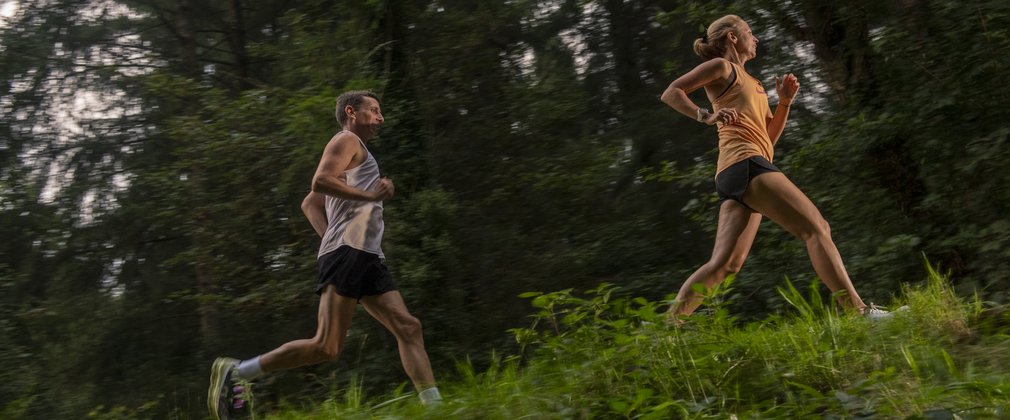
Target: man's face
{"type": "Point", "coordinates": [368, 116]}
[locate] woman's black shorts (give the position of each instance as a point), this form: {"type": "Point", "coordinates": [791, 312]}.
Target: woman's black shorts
{"type": "Point", "coordinates": [732, 182]}
{"type": "Point", "coordinates": [355, 273]}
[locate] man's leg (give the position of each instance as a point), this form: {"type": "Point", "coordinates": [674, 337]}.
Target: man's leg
{"type": "Point", "coordinates": [335, 313]}
{"type": "Point", "coordinates": [734, 236]}
{"type": "Point", "coordinates": [390, 310]}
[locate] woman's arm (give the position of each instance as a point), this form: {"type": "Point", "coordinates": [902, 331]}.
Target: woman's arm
{"type": "Point", "coordinates": [786, 89]}
{"type": "Point", "coordinates": [709, 72]}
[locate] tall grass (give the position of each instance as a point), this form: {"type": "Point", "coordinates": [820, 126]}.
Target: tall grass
{"type": "Point", "coordinates": [598, 355]}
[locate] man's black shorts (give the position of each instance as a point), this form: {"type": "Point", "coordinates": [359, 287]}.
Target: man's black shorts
{"type": "Point", "coordinates": [354, 273]}
{"type": "Point", "coordinates": [732, 182]}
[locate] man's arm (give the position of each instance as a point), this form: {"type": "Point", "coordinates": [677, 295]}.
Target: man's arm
{"type": "Point", "coordinates": [314, 208]}
{"type": "Point", "coordinates": [336, 159]}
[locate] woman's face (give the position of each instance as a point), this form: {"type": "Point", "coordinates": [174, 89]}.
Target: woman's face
{"type": "Point", "coordinates": [746, 42]}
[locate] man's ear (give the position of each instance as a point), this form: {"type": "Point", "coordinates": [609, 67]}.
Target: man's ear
{"type": "Point", "coordinates": [349, 110]}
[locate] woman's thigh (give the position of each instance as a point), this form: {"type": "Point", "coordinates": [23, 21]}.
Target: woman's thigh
{"type": "Point", "coordinates": [775, 196]}
{"type": "Point", "coordinates": [735, 234]}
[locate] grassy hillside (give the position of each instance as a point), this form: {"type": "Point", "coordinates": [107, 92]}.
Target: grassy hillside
{"type": "Point", "coordinates": [600, 356]}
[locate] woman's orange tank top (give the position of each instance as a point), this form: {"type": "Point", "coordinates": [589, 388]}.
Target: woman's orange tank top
{"type": "Point", "coordinates": [749, 136]}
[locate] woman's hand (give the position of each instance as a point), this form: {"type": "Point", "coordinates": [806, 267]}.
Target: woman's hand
{"type": "Point", "coordinates": [787, 87]}
{"type": "Point", "coordinates": [725, 116]}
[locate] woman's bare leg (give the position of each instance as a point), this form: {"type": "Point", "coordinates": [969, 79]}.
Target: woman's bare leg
{"type": "Point", "coordinates": [735, 234]}
{"type": "Point", "coordinates": [777, 197]}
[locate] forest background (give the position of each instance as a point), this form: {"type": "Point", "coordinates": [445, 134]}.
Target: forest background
{"type": "Point", "coordinates": [154, 153]}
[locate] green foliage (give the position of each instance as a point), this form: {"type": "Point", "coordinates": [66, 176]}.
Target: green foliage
{"type": "Point", "coordinates": [123, 413]}
{"type": "Point", "coordinates": [605, 355]}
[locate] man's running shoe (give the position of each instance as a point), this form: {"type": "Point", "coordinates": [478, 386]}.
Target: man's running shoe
{"type": "Point", "coordinates": [221, 396]}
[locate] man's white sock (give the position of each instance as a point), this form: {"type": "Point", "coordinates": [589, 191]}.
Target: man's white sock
{"type": "Point", "coordinates": [430, 396]}
{"type": "Point", "coordinates": [249, 369]}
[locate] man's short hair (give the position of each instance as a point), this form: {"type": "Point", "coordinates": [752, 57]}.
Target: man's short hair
{"type": "Point", "coordinates": [353, 98]}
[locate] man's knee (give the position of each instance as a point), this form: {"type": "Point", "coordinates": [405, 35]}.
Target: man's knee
{"type": "Point", "coordinates": [324, 352]}
{"type": "Point", "coordinates": [407, 327]}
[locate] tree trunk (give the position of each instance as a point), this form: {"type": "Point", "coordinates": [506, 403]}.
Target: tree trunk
{"type": "Point", "coordinates": [187, 38]}
{"type": "Point", "coordinates": [238, 43]}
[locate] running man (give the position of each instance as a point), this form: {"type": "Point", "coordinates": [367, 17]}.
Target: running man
{"type": "Point", "coordinates": [749, 185]}
{"type": "Point", "coordinates": [345, 209]}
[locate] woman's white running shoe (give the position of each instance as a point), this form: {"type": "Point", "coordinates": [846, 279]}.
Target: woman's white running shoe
{"type": "Point", "coordinates": [875, 313]}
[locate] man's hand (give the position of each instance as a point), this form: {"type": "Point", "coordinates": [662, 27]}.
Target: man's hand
{"type": "Point", "coordinates": [787, 88]}
{"type": "Point", "coordinates": [383, 190]}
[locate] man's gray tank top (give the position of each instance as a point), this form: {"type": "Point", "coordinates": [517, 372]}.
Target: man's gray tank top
{"type": "Point", "coordinates": [354, 223]}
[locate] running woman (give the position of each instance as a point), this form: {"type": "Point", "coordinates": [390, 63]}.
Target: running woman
{"type": "Point", "coordinates": [748, 184]}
